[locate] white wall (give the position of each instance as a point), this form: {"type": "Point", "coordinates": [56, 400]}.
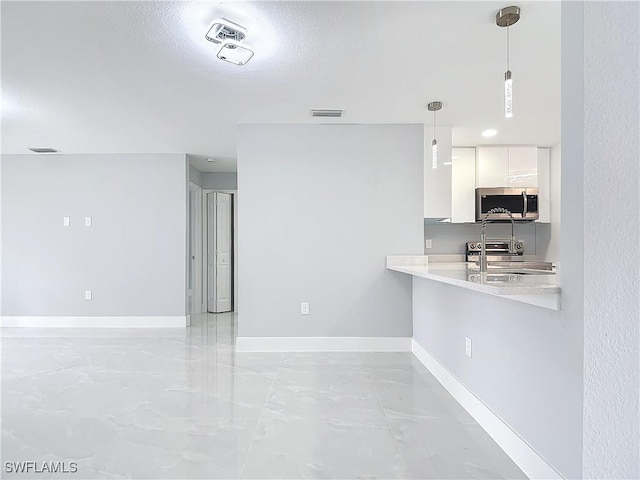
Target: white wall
{"type": "Point", "coordinates": [526, 364]}
{"type": "Point", "coordinates": [611, 282]}
{"type": "Point", "coordinates": [132, 258]}
{"type": "Point", "coordinates": [320, 207]}
{"type": "Point", "coordinates": [220, 180]}
{"type": "Point", "coordinates": [195, 175]}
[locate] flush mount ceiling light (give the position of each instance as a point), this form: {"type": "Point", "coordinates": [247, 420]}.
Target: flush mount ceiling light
{"type": "Point", "coordinates": [44, 150]}
{"type": "Point", "coordinates": [229, 36]}
{"type": "Point", "coordinates": [489, 133]}
{"type": "Point", "coordinates": [505, 18]}
{"type": "Point", "coordinates": [234, 52]}
{"type": "Point", "coordinates": [434, 107]}
{"type": "Point", "coordinates": [222, 29]}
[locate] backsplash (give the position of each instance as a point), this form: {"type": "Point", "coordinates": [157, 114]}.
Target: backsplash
{"type": "Point", "coordinates": [452, 237]}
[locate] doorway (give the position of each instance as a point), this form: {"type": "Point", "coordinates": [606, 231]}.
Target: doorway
{"type": "Point", "coordinates": [219, 251]}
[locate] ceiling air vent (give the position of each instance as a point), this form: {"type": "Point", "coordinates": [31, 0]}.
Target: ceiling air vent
{"type": "Point", "coordinates": [44, 150]}
{"type": "Point", "coordinates": [326, 113]}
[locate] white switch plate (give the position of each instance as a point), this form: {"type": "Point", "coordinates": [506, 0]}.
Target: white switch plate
{"type": "Point", "coordinates": [427, 243]}
{"type": "Point", "coordinates": [87, 294]}
{"type": "Point", "coordinates": [304, 308]}
{"type": "Point", "coordinates": [66, 221]}
{"type": "Point", "coordinates": [467, 346]}
{"type": "Point", "coordinates": [87, 221]}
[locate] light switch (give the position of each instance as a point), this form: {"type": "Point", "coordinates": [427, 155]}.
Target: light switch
{"type": "Point", "coordinates": [304, 308]}
{"type": "Point", "coordinates": [87, 294]}
{"type": "Point", "coordinates": [427, 243]}
{"type": "Point", "coordinates": [87, 221]}
{"type": "Point", "coordinates": [66, 221]}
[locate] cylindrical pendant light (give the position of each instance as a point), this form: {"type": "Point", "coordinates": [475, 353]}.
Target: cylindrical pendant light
{"type": "Point", "coordinates": [434, 107]}
{"type": "Point", "coordinates": [505, 18]}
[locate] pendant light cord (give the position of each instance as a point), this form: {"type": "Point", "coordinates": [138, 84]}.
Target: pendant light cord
{"type": "Point", "coordinates": [434, 124]}
{"type": "Point", "coordinates": [507, 47]}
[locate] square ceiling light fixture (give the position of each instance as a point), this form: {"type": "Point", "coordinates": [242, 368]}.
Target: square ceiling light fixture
{"type": "Point", "coordinates": [229, 36]}
{"type": "Point", "coordinates": [234, 52]}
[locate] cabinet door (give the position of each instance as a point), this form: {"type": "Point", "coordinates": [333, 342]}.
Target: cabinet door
{"type": "Point", "coordinates": [544, 190]}
{"type": "Point", "coordinates": [463, 184]}
{"type": "Point", "coordinates": [523, 167]}
{"type": "Point", "coordinates": [493, 167]}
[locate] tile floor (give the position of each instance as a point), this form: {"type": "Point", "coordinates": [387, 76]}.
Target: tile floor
{"type": "Point", "coordinates": [181, 403]}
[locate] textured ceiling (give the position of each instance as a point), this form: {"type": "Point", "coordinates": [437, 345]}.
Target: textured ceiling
{"type": "Point", "coordinates": [109, 77]}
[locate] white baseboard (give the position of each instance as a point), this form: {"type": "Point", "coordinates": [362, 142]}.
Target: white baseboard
{"type": "Point", "coordinates": [323, 344]}
{"type": "Point", "coordinates": [92, 322]}
{"type": "Point", "coordinates": [529, 461]}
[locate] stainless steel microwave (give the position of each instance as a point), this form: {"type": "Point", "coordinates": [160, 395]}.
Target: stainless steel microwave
{"type": "Point", "coordinates": [521, 202]}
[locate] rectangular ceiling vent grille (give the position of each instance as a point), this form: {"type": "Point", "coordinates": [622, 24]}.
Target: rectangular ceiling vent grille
{"type": "Point", "coordinates": [44, 150]}
{"type": "Point", "coordinates": [326, 113]}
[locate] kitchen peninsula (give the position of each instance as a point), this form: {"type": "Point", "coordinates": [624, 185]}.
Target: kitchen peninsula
{"type": "Point", "coordinates": [521, 285]}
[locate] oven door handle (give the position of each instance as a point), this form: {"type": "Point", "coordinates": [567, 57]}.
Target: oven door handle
{"type": "Point", "coordinates": [526, 206]}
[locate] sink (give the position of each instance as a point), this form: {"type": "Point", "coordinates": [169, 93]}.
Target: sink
{"type": "Point", "coordinates": [521, 265]}
{"type": "Point", "coordinates": [523, 272]}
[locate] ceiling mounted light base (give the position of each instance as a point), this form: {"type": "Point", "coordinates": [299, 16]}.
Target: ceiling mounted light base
{"type": "Point", "coordinates": [223, 29]}
{"type": "Point", "coordinates": [507, 16]}
{"type": "Point", "coordinates": [44, 150]}
{"type": "Point", "coordinates": [327, 112]}
{"type": "Point", "coordinates": [234, 52]}
{"type": "Point", "coordinates": [434, 106]}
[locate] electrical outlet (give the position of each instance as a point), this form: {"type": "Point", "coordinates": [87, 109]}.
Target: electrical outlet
{"type": "Point", "coordinates": [427, 243]}
{"type": "Point", "coordinates": [66, 221]}
{"type": "Point", "coordinates": [87, 221]}
{"type": "Point", "coordinates": [304, 308]}
{"type": "Point", "coordinates": [467, 346]}
{"type": "Point", "coordinates": [87, 295]}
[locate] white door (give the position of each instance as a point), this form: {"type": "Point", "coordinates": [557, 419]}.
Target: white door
{"type": "Point", "coordinates": [219, 244]}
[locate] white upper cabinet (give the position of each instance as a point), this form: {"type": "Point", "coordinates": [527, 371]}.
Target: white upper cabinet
{"type": "Point", "coordinates": [493, 167]}
{"type": "Point", "coordinates": [463, 184]}
{"type": "Point", "coordinates": [523, 167]}
{"type": "Point", "coordinates": [507, 167]}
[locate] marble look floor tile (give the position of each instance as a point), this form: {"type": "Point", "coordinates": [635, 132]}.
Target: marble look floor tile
{"type": "Point", "coordinates": [454, 449]}
{"type": "Point", "coordinates": [337, 398]}
{"type": "Point", "coordinates": [402, 374]}
{"type": "Point", "coordinates": [416, 401]}
{"type": "Point", "coordinates": [312, 448]}
{"type": "Point", "coordinates": [182, 403]}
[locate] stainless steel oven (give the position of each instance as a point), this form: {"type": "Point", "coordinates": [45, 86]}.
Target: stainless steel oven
{"type": "Point", "coordinates": [521, 202]}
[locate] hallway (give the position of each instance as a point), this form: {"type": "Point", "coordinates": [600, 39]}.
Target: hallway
{"type": "Point", "coordinates": [176, 403]}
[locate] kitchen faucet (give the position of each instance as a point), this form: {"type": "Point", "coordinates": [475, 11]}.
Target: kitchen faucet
{"type": "Point", "coordinates": [483, 236]}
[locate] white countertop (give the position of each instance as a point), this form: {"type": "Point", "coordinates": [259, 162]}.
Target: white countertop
{"type": "Point", "coordinates": [532, 288]}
